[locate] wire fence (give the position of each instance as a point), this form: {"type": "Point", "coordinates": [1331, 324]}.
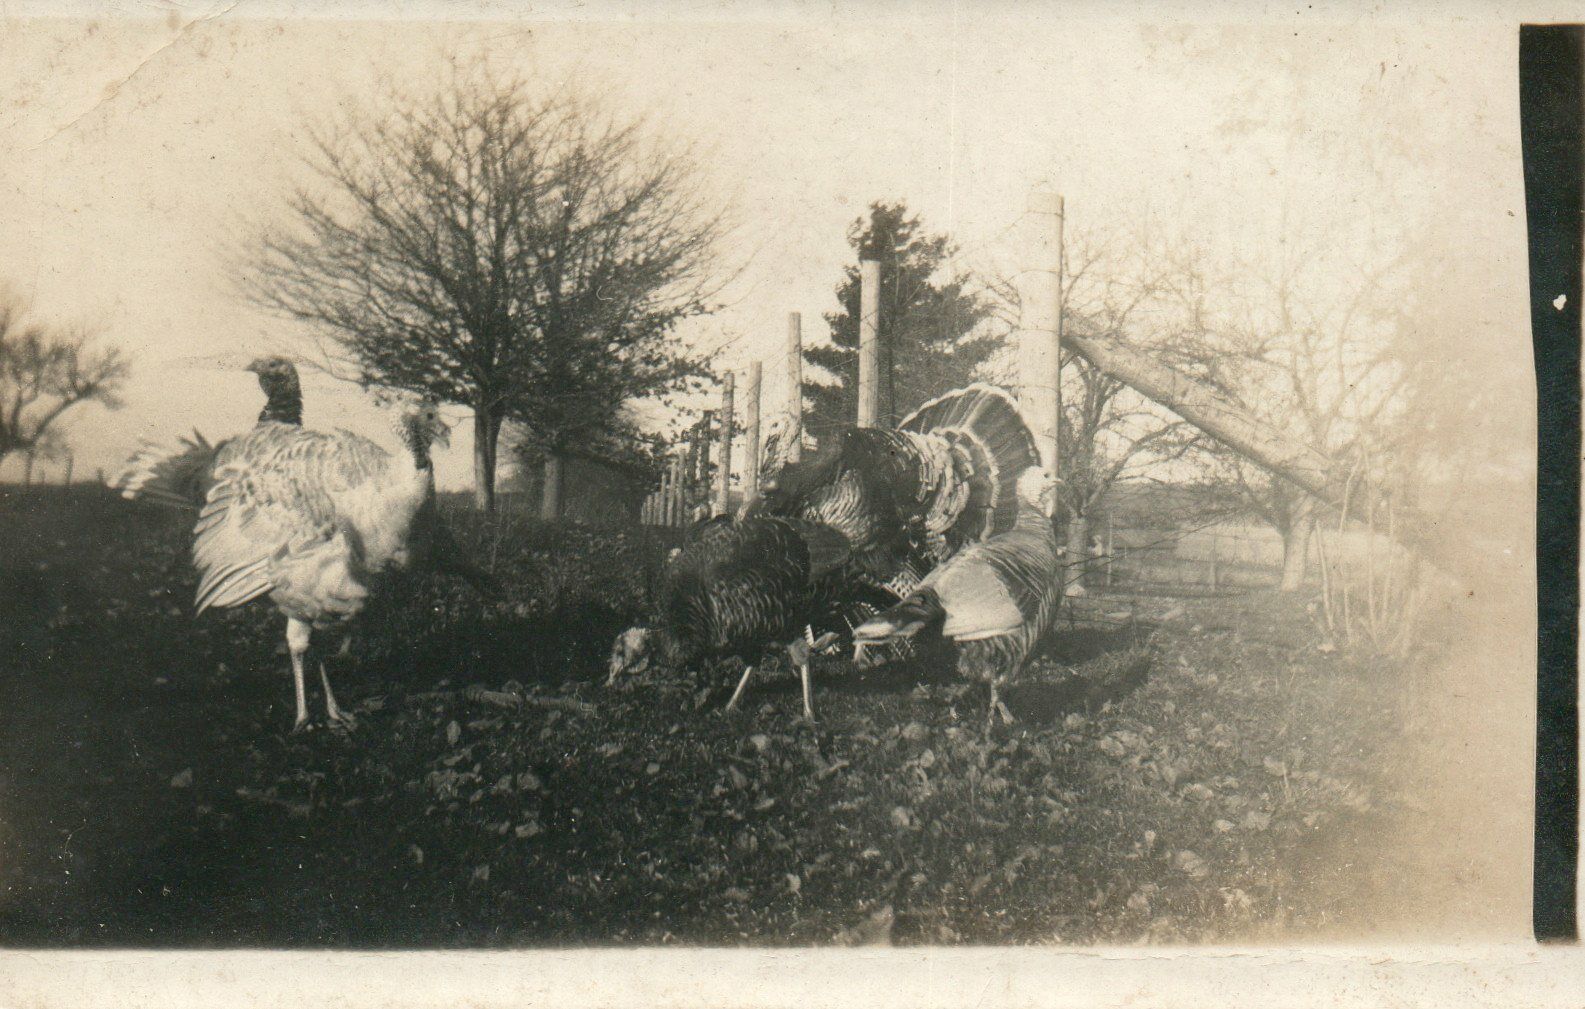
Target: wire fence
{"type": "Point", "coordinates": [1213, 556]}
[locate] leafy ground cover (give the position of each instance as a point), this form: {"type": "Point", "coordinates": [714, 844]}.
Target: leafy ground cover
{"type": "Point", "coordinates": [1183, 770]}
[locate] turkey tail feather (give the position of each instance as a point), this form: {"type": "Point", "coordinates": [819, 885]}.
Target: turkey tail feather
{"type": "Point", "coordinates": [987, 421]}
{"type": "Point", "coordinates": [175, 476]}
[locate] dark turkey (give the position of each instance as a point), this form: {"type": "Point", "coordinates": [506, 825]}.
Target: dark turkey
{"type": "Point", "coordinates": [908, 499]}
{"type": "Point", "coordinates": [994, 600]}
{"type": "Point", "coordinates": [739, 588]}
{"type": "Point", "coordinates": [180, 477]}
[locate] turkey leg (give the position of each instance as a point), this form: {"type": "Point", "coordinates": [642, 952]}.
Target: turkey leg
{"type": "Point", "coordinates": [998, 707]}
{"type": "Point", "coordinates": [297, 635]}
{"type": "Point", "coordinates": [333, 713]}
{"type": "Point", "coordinates": [799, 652]}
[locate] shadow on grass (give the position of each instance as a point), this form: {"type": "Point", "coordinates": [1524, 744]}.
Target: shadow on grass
{"type": "Point", "coordinates": [1103, 664]}
{"type": "Point", "coordinates": [567, 644]}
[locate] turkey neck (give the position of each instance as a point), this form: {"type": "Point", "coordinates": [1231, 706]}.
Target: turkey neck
{"type": "Point", "coordinates": [1030, 517]}
{"type": "Point", "coordinates": [670, 650]}
{"type": "Point", "coordinates": [283, 403]}
{"type": "Point", "coordinates": [417, 442]}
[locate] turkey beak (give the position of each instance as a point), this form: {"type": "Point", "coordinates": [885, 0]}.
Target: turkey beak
{"type": "Point", "coordinates": [621, 663]}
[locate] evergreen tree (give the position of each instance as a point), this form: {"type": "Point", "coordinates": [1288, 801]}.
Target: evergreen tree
{"type": "Point", "coordinates": [930, 322]}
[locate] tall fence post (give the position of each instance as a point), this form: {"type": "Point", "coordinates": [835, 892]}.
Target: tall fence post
{"type": "Point", "coordinates": [679, 491]}
{"type": "Point", "coordinates": [1040, 336]}
{"type": "Point", "coordinates": [688, 477]}
{"type": "Point", "coordinates": [751, 424]}
{"type": "Point", "coordinates": [699, 491]}
{"type": "Point", "coordinates": [550, 493]}
{"type": "Point", "coordinates": [869, 343]}
{"type": "Point", "coordinates": [723, 454]}
{"type": "Point", "coordinates": [794, 449]}
{"type": "Point", "coordinates": [668, 503]}
{"type": "Point", "coordinates": [1215, 539]}
{"type": "Point", "coordinates": [1109, 547]}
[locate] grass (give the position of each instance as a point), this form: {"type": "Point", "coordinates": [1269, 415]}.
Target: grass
{"type": "Point", "coordinates": [1182, 770]}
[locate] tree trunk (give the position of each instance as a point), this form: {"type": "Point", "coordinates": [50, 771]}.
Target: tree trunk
{"type": "Point", "coordinates": [1078, 557]}
{"type": "Point", "coordinates": [486, 436]}
{"type": "Point", "coordinates": [550, 493]}
{"type": "Point", "coordinates": [1296, 548]}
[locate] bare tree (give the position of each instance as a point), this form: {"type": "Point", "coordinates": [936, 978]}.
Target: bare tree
{"type": "Point", "coordinates": [1305, 344]}
{"type": "Point", "coordinates": [514, 250]}
{"type": "Point", "coordinates": [46, 371]}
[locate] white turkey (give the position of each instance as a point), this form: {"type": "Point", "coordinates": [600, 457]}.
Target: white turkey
{"type": "Point", "coordinates": [994, 600]}
{"type": "Point", "coordinates": [315, 521]}
{"type": "Point", "coordinates": [743, 588]}
{"type": "Point", "coordinates": [181, 476]}
{"type": "Point", "coordinates": [908, 499]}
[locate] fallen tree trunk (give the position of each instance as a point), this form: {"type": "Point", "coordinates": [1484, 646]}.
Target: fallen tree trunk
{"type": "Point", "coordinates": [1226, 420]}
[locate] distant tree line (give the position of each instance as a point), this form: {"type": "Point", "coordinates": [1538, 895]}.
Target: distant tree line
{"type": "Point", "coordinates": [48, 370]}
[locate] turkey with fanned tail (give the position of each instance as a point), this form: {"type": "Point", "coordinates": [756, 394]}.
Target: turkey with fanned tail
{"type": "Point", "coordinates": [994, 600]}
{"type": "Point", "coordinates": [908, 499]}
{"type": "Point", "coordinates": [741, 588]}
{"type": "Point", "coordinates": [315, 521]}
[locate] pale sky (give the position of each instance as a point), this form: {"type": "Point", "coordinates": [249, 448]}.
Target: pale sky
{"type": "Point", "coordinates": [130, 142]}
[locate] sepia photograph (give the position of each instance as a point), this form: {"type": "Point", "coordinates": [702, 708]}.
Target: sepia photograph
{"type": "Point", "coordinates": [909, 477]}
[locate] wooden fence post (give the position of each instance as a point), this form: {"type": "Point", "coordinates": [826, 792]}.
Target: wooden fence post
{"type": "Point", "coordinates": [550, 493]}
{"type": "Point", "coordinates": [1109, 548]}
{"type": "Point", "coordinates": [668, 481]}
{"type": "Point", "coordinates": [869, 343]}
{"type": "Point", "coordinates": [701, 439]}
{"type": "Point", "coordinates": [751, 425]}
{"type": "Point", "coordinates": [679, 491]}
{"type": "Point", "coordinates": [723, 454]}
{"type": "Point", "coordinates": [794, 449]}
{"type": "Point", "coordinates": [1040, 336]}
